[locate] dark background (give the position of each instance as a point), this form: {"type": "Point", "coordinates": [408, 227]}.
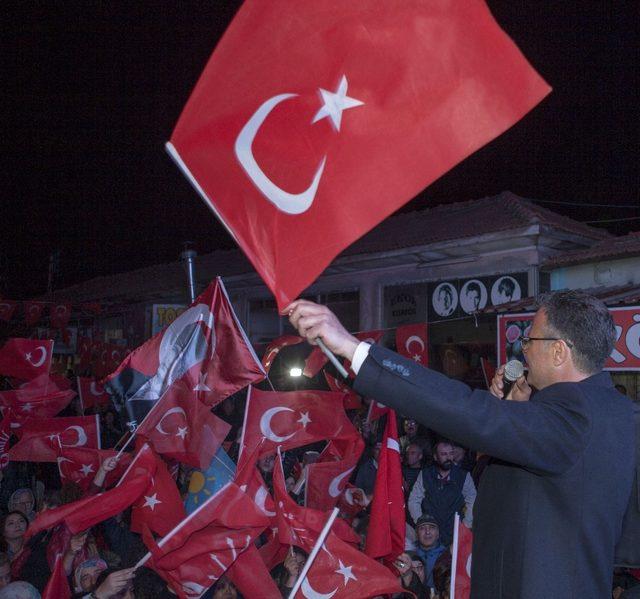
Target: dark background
{"type": "Point", "coordinates": [92, 91]}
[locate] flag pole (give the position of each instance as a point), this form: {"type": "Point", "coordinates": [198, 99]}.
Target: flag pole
{"type": "Point", "coordinates": [454, 556]}
{"type": "Point", "coordinates": [314, 552]}
{"type": "Point", "coordinates": [327, 352]}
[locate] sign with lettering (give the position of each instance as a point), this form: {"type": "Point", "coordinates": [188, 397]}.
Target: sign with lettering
{"type": "Point", "coordinates": [163, 315]}
{"type": "Point", "coordinates": [625, 354]}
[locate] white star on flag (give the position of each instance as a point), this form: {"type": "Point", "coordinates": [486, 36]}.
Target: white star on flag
{"type": "Point", "coordinates": [28, 357]}
{"type": "Point", "coordinates": [86, 469]}
{"type": "Point", "coordinates": [27, 407]}
{"type": "Point", "coordinates": [182, 431]}
{"type": "Point", "coordinates": [346, 572]}
{"type": "Point", "coordinates": [151, 501]}
{"type": "Point", "coordinates": [304, 419]}
{"type": "Point", "coordinates": [202, 383]}
{"type": "Point", "coordinates": [417, 358]}
{"type": "Point", "coordinates": [335, 103]}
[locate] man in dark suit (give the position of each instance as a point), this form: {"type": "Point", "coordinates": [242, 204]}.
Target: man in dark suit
{"type": "Point", "coordinates": [550, 506]}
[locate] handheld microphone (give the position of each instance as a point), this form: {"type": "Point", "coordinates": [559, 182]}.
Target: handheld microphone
{"type": "Point", "coordinates": [513, 370]}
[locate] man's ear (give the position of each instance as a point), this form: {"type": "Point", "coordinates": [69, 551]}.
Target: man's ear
{"type": "Point", "coordinates": [561, 353]}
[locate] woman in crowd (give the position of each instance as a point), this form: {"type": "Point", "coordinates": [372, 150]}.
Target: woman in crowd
{"type": "Point", "coordinates": [13, 526]}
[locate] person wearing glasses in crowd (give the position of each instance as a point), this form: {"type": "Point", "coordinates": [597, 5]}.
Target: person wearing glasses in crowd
{"type": "Point", "coordinates": [550, 506]}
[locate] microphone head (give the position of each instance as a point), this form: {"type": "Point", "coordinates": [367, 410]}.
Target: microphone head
{"type": "Point", "coordinates": [513, 370]}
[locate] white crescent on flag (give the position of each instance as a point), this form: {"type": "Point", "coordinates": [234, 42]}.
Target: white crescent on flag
{"type": "Point", "coordinates": [265, 424]}
{"type": "Point", "coordinates": [310, 593]}
{"type": "Point", "coordinates": [40, 361]}
{"type": "Point", "coordinates": [412, 339]}
{"type": "Point", "coordinates": [82, 436]}
{"type": "Point", "coordinates": [176, 410]}
{"type": "Point", "coordinates": [334, 487]}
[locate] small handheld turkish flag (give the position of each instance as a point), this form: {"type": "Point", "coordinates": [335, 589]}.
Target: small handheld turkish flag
{"type": "Point", "coordinates": [160, 506]}
{"type": "Point", "coordinates": [291, 419]}
{"type": "Point", "coordinates": [387, 529]}
{"type": "Point", "coordinates": [461, 560]}
{"type": "Point", "coordinates": [202, 547]}
{"type": "Point", "coordinates": [26, 358]}
{"type": "Point", "coordinates": [322, 118]}
{"type": "Point", "coordinates": [181, 427]}
{"type": "Point", "coordinates": [91, 393]}
{"type": "Point", "coordinates": [42, 438]}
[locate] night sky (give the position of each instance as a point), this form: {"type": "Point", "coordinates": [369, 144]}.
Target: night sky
{"type": "Point", "coordinates": [92, 90]}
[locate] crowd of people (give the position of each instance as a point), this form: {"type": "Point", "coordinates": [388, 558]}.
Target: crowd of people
{"type": "Point", "coordinates": [439, 480]}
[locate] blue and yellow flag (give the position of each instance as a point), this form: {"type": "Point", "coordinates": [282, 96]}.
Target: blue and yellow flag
{"type": "Point", "coordinates": [204, 484]}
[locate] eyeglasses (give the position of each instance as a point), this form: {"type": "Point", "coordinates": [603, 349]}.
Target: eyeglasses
{"type": "Point", "coordinates": [526, 341]}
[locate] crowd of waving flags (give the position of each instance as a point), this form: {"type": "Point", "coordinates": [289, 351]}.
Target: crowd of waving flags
{"type": "Point", "coordinates": [167, 387]}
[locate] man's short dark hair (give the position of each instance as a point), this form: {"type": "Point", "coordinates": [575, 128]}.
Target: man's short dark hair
{"type": "Point", "coordinates": [585, 322]}
{"type": "Point", "coordinates": [473, 286]}
{"type": "Point", "coordinates": [507, 286]}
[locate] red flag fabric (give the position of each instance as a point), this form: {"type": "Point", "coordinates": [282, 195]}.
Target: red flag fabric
{"type": "Point", "coordinates": [387, 521]}
{"type": "Point", "coordinates": [24, 402]}
{"type": "Point", "coordinates": [92, 307]}
{"type": "Point", "coordinates": [461, 561]}
{"type": "Point", "coordinates": [250, 481]}
{"type": "Point", "coordinates": [26, 358]}
{"type": "Point", "coordinates": [59, 315]}
{"type": "Point", "coordinates": [58, 586]}
{"type": "Point", "coordinates": [352, 400]}
{"type": "Point", "coordinates": [5, 435]}
{"type": "Point", "coordinates": [202, 547]}
{"type": "Point", "coordinates": [89, 511]}
{"type": "Point", "coordinates": [274, 348]}
{"type": "Point", "coordinates": [341, 571]}
{"type": "Point", "coordinates": [488, 371]}
{"type": "Point", "coordinates": [342, 112]}
{"type": "Point", "coordinates": [376, 410]}
{"type": "Point", "coordinates": [301, 526]}
{"type": "Point", "coordinates": [33, 312]}
{"type": "Point", "coordinates": [251, 577]}
{"type": "Point", "coordinates": [41, 439]}
{"type": "Point", "coordinates": [7, 308]}
{"type": "Point", "coordinates": [181, 427]}
{"type": "Point", "coordinates": [328, 477]}
{"type": "Point", "coordinates": [412, 343]}
{"type": "Point", "coordinates": [91, 393]}
{"type": "Point", "coordinates": [205, 344]}
{"type": "Point", "coordinates": [160, 506]}
{"type": "Point", "coordinates": [80, 465]}
{"type": "Point", "coordinates": [291, 419]}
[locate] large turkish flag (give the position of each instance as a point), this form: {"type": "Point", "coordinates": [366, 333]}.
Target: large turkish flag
{"type": "Point", "coordinates": [313, 121]}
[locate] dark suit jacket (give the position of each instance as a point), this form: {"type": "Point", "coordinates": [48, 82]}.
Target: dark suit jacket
{"type": "Point", "coordinates": [549, 510]}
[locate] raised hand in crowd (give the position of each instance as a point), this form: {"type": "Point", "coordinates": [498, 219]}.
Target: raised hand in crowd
{"type": "Point", "coordinates": [107, 466]}
{"type": "Point", "coordinates": [114, 584]}
{"type": "Point", "coordinates": [520, 390]}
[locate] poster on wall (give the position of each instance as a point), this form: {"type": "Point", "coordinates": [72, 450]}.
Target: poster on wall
{"type": "Point", "coordinates": [163, 315]}
{"type": "Point", "coordinates": [462, 297]}
{"type": "Point", "coordinates": [625, 354]}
